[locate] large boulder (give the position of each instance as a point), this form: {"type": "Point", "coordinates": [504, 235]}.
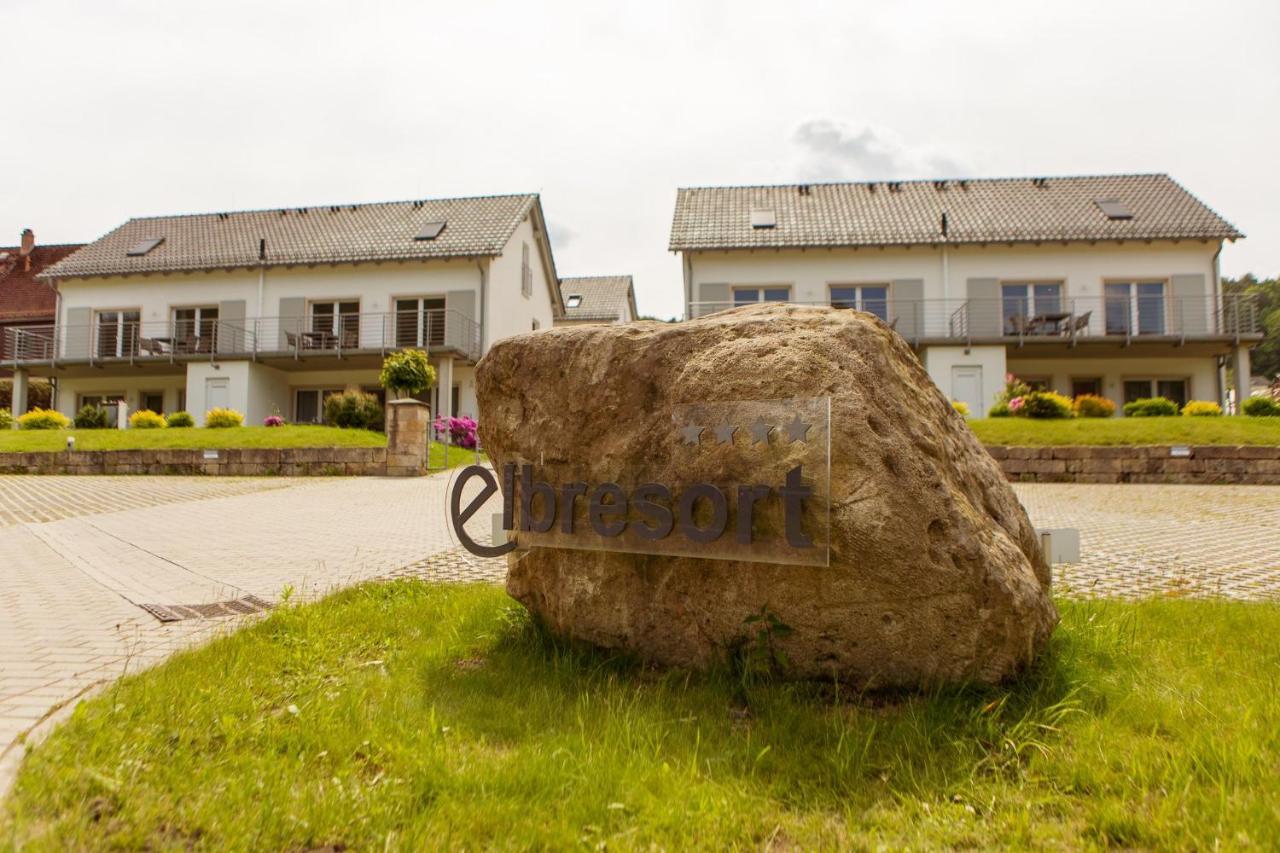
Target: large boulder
{"type": "Point", "coordinates": [934, 576]}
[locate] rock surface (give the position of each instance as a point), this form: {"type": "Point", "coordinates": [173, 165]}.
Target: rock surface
{"type": "Point", "coordinates": [935, 574]}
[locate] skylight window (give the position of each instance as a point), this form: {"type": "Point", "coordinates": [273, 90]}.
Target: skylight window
{"type": "Point", "coordinates": [763, 219]}
{"type": "Point", "coordinates": [430, 231]}
{"type": "Point", "coordinates": [573, 301]}
{"type": "Point", "coordinates": [1114, 208]}
{"type": "Point", "coordinates": [141, 248]}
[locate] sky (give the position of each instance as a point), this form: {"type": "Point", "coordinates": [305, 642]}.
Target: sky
{"type": "Point", "coordinates": [119, 109]}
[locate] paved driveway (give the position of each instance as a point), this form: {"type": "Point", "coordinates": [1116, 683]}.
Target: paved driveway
{"type": "Point", "coordinates": [81, 557]}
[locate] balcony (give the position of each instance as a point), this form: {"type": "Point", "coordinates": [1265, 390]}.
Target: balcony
{"type": "Point", "coordinates": [121, 340]}
{"type": "Point", "coordinates": [1062, 321]}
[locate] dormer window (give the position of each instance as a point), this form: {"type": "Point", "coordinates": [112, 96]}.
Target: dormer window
{"type": "Point", "coordinates": [430, 231]}
{"type": "Point", "coordinates": [1114, 208]}
{"type": "Point", "coordinates": [137, 250]}
{"type": "Point", "coordinates": [763, 218]}
{"type": "Point", "coordinates": [573, 301]}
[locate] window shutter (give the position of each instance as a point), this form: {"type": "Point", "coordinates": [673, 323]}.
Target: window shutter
{"type": "Point", "coordinates": [906, 306]}
{"type": "Point", "coordinates": [716, 294]}
{"type": "Point", "coordinates": [460, 328]}
{"type": "Point", "coordinates": [983, 308]}
{"type": "Point", "coordinates": [77, 332]}
{"type": "Point", "coordinates": [231, 331]}
{"type": "Point", "coordinates": [293, 315]}
{"type": "Point", "coordinates": [1190, 305]}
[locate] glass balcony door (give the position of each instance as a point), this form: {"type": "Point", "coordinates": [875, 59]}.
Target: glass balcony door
{"type": "Point", "coordinates": [1135, 308]}
{"type": "Point", "coordinates": [117, 333]}
{"type": "Point", "coordinates": [334, 325]}
{"type": "Point", "coordinates": [194, 329]}
{"type": "Point", "coordinates": [872, 298]}
{"type": "Point", "coordinates": [420, 322]}
{"type": "Point", "coordinates": [752, 295]}
{"type": "Point", "coordinates": [1027, 306]}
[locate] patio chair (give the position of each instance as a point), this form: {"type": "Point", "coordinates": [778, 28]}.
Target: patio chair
{"type": "Point", "coordinates": [1019, 325]}
{"type": "Point", "coordinates": [1078, 325]}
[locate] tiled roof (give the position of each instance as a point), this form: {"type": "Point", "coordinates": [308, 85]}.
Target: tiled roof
{"type": "Point", "coordinates": [338, 233]}
{"type": "Point", "coordinates": [985, 210]}
{"type": "Point", "coordinates": [603, 297]}
{"type": "Point", "coordinates": [22, 297]}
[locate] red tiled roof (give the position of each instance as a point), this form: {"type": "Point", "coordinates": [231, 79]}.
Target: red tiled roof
{"type": "Point", "coordinates": [21, 296]}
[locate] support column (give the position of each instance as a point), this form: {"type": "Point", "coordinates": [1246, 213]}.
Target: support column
{"type": "Point", "coordinates": [444, 384]}
{"type": "Point", "coordinates": [1242, 368]}
{"type": "Point", "coordinates": [407, 424]}
{"type": "Point", "coordinates": [21, 385]}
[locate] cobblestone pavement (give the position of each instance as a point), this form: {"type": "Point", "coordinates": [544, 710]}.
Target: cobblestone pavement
{"type": "Point", "coordinates": [80, 555]}
{"type": "Point", "coordinates": [1143, 540]}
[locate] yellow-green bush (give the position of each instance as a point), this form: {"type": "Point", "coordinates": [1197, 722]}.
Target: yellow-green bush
{"type": "Point", "coordinates": [43, 419]}
{"type": "Point", "coordinates": [961, 406]}
{"type": "Point", "coordinates": [1093, 406]}
{"type": "Point", "coordinates": [1042, 405]}
{"type": "Point", "coordinates": [6, 419]}
{"type": "Point", "coordinates": [1202, 409]}
{"type": "Point", "coordinates": [146, 419]}
{"type": "Point", "coordinates": [223, 418]}
{"type": "Point", "coordinates": [178, 420]}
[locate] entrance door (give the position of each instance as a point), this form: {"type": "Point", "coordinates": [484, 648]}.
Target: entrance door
{"type": "Point", "coordinates": [966, 386]}
{"type": "Point", "coordinates": [217, 394]}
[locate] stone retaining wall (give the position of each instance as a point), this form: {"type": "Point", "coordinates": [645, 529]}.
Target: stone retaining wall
{"type": "Point", "coordinates": [1207, 464]}
{"type": "Point", "coordinates": [295, 462]}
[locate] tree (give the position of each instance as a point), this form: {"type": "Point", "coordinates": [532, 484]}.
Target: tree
{"type": "Point", "coordinates": [408, 373]}
{"type": "Point", "coordinates": [1266, 293]}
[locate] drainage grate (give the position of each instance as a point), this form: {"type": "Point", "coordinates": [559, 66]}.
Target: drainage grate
{"type": "Point", "coordinates": [243, 606]}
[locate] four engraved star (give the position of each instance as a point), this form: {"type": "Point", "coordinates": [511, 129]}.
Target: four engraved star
{"type": "Point", "coordinates": [797, 430]}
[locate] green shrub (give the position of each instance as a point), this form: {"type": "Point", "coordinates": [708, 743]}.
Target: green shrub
{"type": "Point", "coordinates": [1093, 406]}
{"type": "Point", "coordinates": [999, 410]}
{"type": "Point", "coordinates": [407, 373]}
{"type": "Point", "coordinates": [92, 417]}
{"type": "Point", "coordinates": [961, 406]}
{"type": "Point", "coordinates": [223, 418]}
{"type": "Point", "coordinates": [1202, 409]}
{"type": "Point", "coordinates": [146, 419]}
{"type": "Point", "coordinates": [353, 410]}
{"type": "Point", "coordinates": [178, 420]}
{"type": "Point", "coordinates": [43, 419]}
{"type": "Point", "coordinates": [1261, 407]}
{"type": "Point", "coordinates": [1151, 407]}
{"type": "Point", "coordinates": [6, 419]}
{"type": "Point", "coordinates": [1043, 405]}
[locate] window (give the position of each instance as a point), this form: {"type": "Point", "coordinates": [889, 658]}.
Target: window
{"type": "Point", "coordinates": [1091, 385]}
{"type": "Point", "coordinates": [430, 231]}
{"type": "Point", "coordinates": [1031, 306]}
{"type": "Point", "coordinates": [573, 301]}
{"type": "Point", "coordinates": [117, 333]}
{"type": "Point", "coordinates": [526, 272]}
{"type": "Point", "coordinates": [142, 247]}
{"type": "Point", "coordinates": [194, 329]}
{"type": "Point", "coordinates": [872, 298]}
{"type": "Point", "coordinates": [1114, 208]}
{"type": "Point", "coordinates": [536, 325]}
{"type": "Point", "coordinates": [308, 404]}
{"type": "Point", "coordinates": [749, 295]}
{"type": "Point", "coordinates": [334, 325]}
{"type": "Point", "coordinates": [420, 322]}
{"type": "Point", "coordinates": [153, 401]}
{"type": "Point", "coordinates": [763, 219]}
{"type": "Point", "coordinates": [182, 400]}
{"type": "Point", "coordinates": [1140, 301]}
{"type": "Point", "coordinates": [1170, 389]}
{"type": "Point", "coordinates": [110, 402]}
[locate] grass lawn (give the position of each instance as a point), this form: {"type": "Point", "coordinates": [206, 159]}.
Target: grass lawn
{"type": "Point", "coordinates": [1173, 430]}
{"type": "Point", "coordinates": [404, 716]}
{"type": "Point", "coordinates": [189, 439]}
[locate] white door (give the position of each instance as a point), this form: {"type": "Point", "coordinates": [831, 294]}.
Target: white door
{"type": "Point", "coordinates": [217, 394]}
{"type": "Point", "coordinates": [966, 386]}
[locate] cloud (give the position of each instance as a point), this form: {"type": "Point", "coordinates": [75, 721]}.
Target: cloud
{"type": "Point", "coordinates": [833, 150]}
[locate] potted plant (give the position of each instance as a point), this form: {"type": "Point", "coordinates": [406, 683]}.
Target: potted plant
{"type": "Point", "coordinates": [407, 373]}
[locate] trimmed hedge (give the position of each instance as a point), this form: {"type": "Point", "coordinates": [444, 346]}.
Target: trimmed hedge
{"type": "Point", "coordinates": [1261, 407]}
{"type": "Point", "coordinates": [223, 419]}
{"type": "Point", "coordinates": [1151, 407]}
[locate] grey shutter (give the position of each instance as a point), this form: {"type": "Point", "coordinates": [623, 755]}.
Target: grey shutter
{"type": "Point", "coordinates": [1190, 312]}
{"type": "Point", "coordinates": [293, 314]}
{"type": "Point", "coordinates": [715, 293]}
{"type": "Point", "coordinates": [77, 332]}
{"type": "Point", "coordinates": [906, 307]}
{"type": "Point", "coordinates": [231, 331]}
{"type": "Point", "coordinates": [983, 308]}
{"type": "Point", "coordinates": [460, 329]}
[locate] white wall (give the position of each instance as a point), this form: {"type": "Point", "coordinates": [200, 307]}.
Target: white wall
{"type": "Point", "coordinates": [508, 312]}
{"type": "Point", "coordinates": [131, 386]}
{"type": "Point", "coordinates": [939, 362]}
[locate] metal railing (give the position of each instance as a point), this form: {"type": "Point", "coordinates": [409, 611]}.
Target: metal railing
{"type": "Point", "coordinates": [128, 341]}
{"type": "Point", "coordinates": [1021, 319]}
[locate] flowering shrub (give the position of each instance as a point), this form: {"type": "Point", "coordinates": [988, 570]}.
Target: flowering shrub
{"type": "Point", "coordinates": [1151, 407]}
{"type": "Point", "coordinates": [178, 420]}
{"type": "Point", "coordinates": [1202, 409]}
{"type": "Point", "coordinates": [1041, 405]}
{"type": "Point", "coordinates": [1093, 406]}
{"type": "Point", "coordinates": [457, 431]}
{"type": "Point", "coordinates": [43, 419]}
{"type": "Point", "coordinates": [223, 419]}
{"type": "Point", "coordinates": [146, 419]}
{"type": "Point", "coordinates": [273, 421]}
{"type": "Point", "coordinates": [1261, 407]}
{"type": "Point", "coordinates": [1015, 405]}
{"type": "Point", "coordinates": [961, 406]}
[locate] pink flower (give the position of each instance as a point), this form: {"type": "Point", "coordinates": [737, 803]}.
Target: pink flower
{"type": "Point", "coordinates": [273, 421]}
{"type": "Point", "coordinates": [1015, 404]}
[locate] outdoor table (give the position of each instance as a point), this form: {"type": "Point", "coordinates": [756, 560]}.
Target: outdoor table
{"type": "Point", "coordinates": [1049, 318]}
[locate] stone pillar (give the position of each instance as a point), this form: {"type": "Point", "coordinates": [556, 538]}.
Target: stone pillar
{"type": "Point", "coordinates": [18, 405]}
{"type": "Point", "coordinates": [444, 382]}
{"type": "Point", "coordinates": [1242, 368]}
{"type": "Point", "coordinates": [407, 425]}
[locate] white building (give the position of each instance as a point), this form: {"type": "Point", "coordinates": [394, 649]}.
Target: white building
{"type": "Point", "coordinates": [1105, 285]}
{"type": "Point", "coordinates": [269, 311]}
{"type": "Point", "coordinates": [598, 299]}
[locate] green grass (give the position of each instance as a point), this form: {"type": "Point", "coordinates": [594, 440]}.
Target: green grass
{"type": "Point", "coordinates": [404, 716]}
{"type": "Point", "coordinates": [1173, 430]}
{"type": "Point", "coordinates": [189, 439]}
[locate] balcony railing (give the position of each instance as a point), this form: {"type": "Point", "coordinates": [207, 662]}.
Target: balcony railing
{"type": "Point", "coordinates": [129, 341]}
{"type": "Point", "coordinates": [1020, 319]}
